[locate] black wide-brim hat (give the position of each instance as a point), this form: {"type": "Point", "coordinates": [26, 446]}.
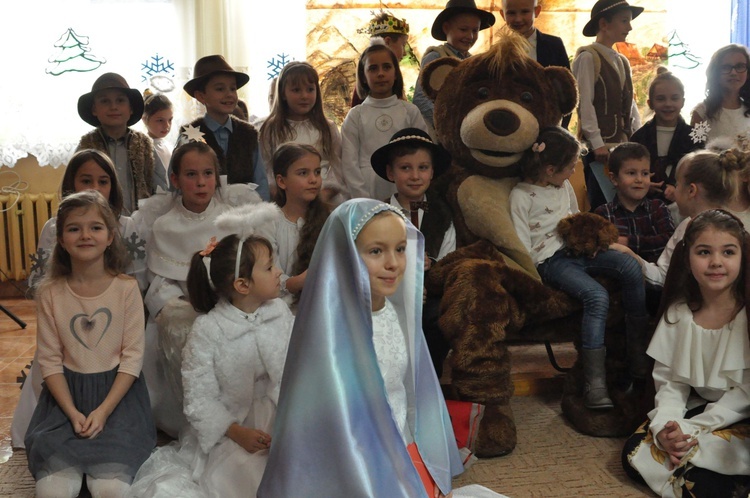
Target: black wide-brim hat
{"type": "Point", "coordinates": [441, 159]}
{"type": "Point", "coordinates": [206, 67]}
{"type": "Point", "coordinates": [455, 7]}
{"type": "Point", "coordinates": [604, 6]}
{"type": "Point", "coordinates": [104, 82]}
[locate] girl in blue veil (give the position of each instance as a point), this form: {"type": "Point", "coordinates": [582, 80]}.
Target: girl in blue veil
{"type": "Point", "coordinates": [335, 432]}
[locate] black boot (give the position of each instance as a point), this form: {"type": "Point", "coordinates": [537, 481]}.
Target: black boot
{"type": "Point", "coordinates": [637, 336]}
{"type": "Point", "coordinates": [595, 395]}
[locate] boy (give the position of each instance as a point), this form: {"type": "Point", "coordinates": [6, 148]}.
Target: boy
{"type": "Point", "coordinates": [605, 86]}
{"type": "Point", "coordinates": [392, 32]}
{"type": "Point", "coordinates": [411, 160]}
{"type": "Point", "coordinates": [112, 107]}
{"type": "Point", "coordinates": [547, 50]}
{"type": "Point", "coordinates": [235, 142]}
{"type": "Point", "coordinates": [458, 25]}
{"type": "Point", "coordinates": [644, 224]}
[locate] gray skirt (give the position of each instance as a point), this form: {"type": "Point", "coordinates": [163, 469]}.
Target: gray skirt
{"type": "Point", "coordinates": [118, 451]}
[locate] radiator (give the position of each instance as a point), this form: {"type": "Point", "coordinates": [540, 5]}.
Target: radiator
{"type": "Point", "coordinates": [21, 224]}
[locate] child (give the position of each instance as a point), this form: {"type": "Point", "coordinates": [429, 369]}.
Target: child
{"type": "Point", "coordinates": [87, 169]}
{"type": "Point", "coordinates": [458, 25]}
{"type": "Point", "coordinates": [303, 213]}
{"type": "Point", "coordinates": [234, 141]}
{"type": "Point", "coordinates": [538, 203]}
{"type": "Point", "coordinates": [93, 415]}
{"type": "Point", "coordinates": [726, 108]}
{"type": "Point", "coordinates": [176, 236]}
{"type": "Point", "coordinates": [390, 31]}
{"type": "Point", "coordinates": [666, 136]}
{"type": "Point", "coordinates": [370, 124]}
{"type": "Point", "coordinates": [297, 116]}
{"type": "Point", "coordinates": [644, 224]}
{"type": "Point", "coordinates": [234, 358]}
{"type": "Point", "coordinates": [112, 106]}
{"type": "Point", "coordinates": [704, 180]}
{"type": "Point", "coordinates": [605, 86]}
{"type": "Point", "coordinates": [694, 443]}
{"type": "Point", "coordinates": [360, 405]}
{"type": "Point", "coordinates": [411, 160]}
{"type": "Point", "coordinates": [547, 50]}
{"type": "Point", "coordinates": [157, 116]}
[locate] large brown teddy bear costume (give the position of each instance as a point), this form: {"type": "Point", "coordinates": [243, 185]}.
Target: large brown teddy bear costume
{"type": "Point", "coordinates": [488, 111]}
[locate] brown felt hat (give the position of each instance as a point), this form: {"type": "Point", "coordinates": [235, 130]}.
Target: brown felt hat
{"type": "Point", "coordinates": [603, 7]}
{"type": "Point", "coordinates": [207, 67]}
{"type": "Point", "coordinates": [455, 7]}
{"type": "Point", "coordinates": [441, 159]}
{"type": "Point", "coordinates": [104, 82]}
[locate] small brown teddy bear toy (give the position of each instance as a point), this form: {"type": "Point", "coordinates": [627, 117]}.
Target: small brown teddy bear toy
{"type": "Point", "coordinates": [585, 234]}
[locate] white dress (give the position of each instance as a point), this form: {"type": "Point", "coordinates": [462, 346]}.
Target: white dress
{"type": "Point", "coordinates": [368, 127]}
{"type": "Point", "coordinates": [233, 363]}
{"type": "Point", "coordinates": [727, 123]}
{"type": "Point", "coordinates": [697, 366]}
{"type": "Point", "coordinates": [286, 238]}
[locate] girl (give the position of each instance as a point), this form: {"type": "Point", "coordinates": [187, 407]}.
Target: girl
{"type": "Point", "coordinates": [243, 337]}
{"type": "Point", "coordinates": [371, 124]}
{"type": "Point", "coordinates": [157, 116]}
{"type": "Point", "coordinates": [726, 108]}
{"type": "Point", "coordinates": [361, 410]}
{"type": "Point", "coordinates": [87, 169]}
{"type": "Point", "coordinates": [175, 237]}
{"type": "Point", "coordinates": [297, 169]}
{"type": "Point", "coordinates": [704, 180]}
{"type": "Point", "coordinates": [297, 116]}
{"type": "Point", "coordinates": [538, 203]}
{"type": "Point", "coordinates": [93, 415]}
{"type": "Point", "coordinates": [667, 135]}
{"type": "Point", "coordinates": [694, 442]}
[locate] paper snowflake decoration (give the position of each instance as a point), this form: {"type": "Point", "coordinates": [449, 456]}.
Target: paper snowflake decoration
{"type": "Point", "coordinates": [193, 134]}
{"type": "Point", "coordinates": [38, 261]}
{"type": "Point", "coordinates": [700, 132]}
{"type": "Point", "coordinates": [136, 247]}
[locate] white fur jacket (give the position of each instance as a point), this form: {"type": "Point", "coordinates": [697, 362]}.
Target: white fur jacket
{"type": "Point", "coordinates": [226, 352]}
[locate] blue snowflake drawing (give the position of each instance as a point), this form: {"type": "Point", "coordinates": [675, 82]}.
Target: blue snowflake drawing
{"type": "Point", "coordinates": [156, 65]}
{"type": "Point", "coordinates": [276, 64]}
{"type": "Point", "coordinates": [135, 246]}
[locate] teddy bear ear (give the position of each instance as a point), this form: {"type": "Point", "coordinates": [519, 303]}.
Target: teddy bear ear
{"type": "Point", "coordinates": [434, 75]}
{"type": "Point", "coordinates": [564, 84]}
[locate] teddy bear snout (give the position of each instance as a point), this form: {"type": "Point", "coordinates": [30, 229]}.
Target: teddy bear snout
{"type": "Point", "coordinates": [502, 122]}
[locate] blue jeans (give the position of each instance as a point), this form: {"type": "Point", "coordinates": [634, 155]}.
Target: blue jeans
{"type": "Point", "coordinates": [574, 276]}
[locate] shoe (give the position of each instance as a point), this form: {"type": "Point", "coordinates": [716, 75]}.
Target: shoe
{"type": "Point", "coordinates": [595, 395]}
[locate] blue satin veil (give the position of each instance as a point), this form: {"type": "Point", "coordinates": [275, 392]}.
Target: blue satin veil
{"type": "Point", "coordinates": [334, 433]}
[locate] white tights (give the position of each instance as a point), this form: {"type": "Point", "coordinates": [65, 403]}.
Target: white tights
{"type": "Point", "coordinates": [67, 484]}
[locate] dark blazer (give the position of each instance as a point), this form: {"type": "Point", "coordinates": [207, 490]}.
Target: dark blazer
{"type": "Point", "coordinates": [550, 51]}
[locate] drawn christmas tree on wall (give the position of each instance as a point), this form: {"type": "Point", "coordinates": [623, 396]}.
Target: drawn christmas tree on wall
{"type": "Point", "coordinates": [73, 55]}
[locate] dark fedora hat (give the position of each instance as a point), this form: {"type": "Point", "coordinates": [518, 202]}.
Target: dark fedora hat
{"type": "Point", "coordinates": [441, 159]}
{"type": "Point", "coordinates": [206, 67]}
{"type": "Point", "coordinates": [455, 7]}
{"type": "Point", "coordinates": [104, 82]}
{"type": "Point", "coordinates": [603, 7]}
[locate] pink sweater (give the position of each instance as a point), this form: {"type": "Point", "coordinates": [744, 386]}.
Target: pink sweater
{"type": "Point", "coordinates": [91, 334]}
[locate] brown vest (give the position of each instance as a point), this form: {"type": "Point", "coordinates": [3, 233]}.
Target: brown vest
{"type": "Point", "coordinates": [612, 99]}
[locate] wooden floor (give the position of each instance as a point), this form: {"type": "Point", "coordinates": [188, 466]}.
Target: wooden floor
{"type": "Point", "coordinates": [17, 347]}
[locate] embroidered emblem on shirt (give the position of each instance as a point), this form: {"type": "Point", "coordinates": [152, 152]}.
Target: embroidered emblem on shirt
{"type": "Point", "coordinates": [548, 210]}
{"type": "Point", "coordinates": [539, 247]}
{"type": "Point", "coordinates": [384, 122]}
{"type": "Point", "coordinates": [535, 226]}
